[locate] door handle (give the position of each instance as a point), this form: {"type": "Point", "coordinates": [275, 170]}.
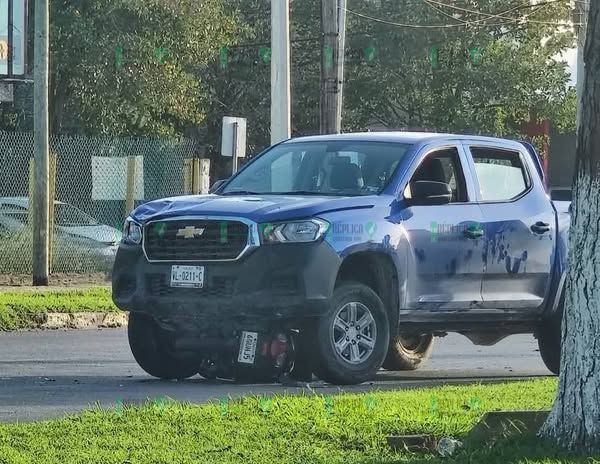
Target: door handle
{"type": "Point", "coordinates": [473, 233]}
{"type": "Point", "coordinates": [540, 227]}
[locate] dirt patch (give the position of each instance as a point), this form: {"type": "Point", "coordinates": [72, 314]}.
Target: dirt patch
{"type": "Point", "coordinates": [79, 321]}
{"type": "Point", "coordinates": [56, 280]}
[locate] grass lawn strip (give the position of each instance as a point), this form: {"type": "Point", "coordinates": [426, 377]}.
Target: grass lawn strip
{"type": "Point", "coordinates": [349, 428]}
{"type": "Point", "coordinates": [21, 309]}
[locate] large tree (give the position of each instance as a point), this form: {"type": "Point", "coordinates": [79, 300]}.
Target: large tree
{"type": "Point", "coordinates": [575, 418]}
{"type": "Point", "coordinates": [129, 67]}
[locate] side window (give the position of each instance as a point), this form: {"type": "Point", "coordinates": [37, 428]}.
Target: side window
{"type": "Point", "coordinates": [444, 166]}
{"type": "Point", "coordinates": [501, 173]}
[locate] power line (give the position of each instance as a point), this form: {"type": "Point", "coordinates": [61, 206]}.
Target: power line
{"type": "Point", "coordinates": [480, 22]}
{"type": "Point", "coordinates": [463, 23]}
{"type": "Point", "coordinates": [430, 4]}
{"type": "Point", "coordinates": [502, 15]}
{"type": "Point", "coordinates": [411, 26]}
{"type": "Point", "coordinates": [443, 13]}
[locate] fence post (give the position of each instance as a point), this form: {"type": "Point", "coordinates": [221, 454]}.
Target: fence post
{"type": "Point", "coordinates": [204, 175]}
{"type": "Point", "coordinates": [51, 199]}
{"type": "Point", "coordinates": [51, 205]}
{"type": "Point", "coordinates": [187, 176]}
{"type": "Point", "coordinates": [31, 190]}
{"type": "Point", "coordinates": [130, 187]}
{"type": "Point", "coordinates": [195, 176]}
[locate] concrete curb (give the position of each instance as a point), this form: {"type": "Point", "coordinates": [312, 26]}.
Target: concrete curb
{"type": "Point", "coordinates": [54, 321]}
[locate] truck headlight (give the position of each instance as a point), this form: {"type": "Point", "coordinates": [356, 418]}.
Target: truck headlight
{"type": "Point", "coordinates": [294, 231]}
{"type": "Point", "coordinates": [132, 232]}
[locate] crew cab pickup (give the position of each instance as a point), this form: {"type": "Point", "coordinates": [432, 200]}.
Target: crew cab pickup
{"type": "Point", "coordinates": [338, 255]}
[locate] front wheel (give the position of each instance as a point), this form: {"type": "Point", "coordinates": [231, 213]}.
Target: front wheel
{"type": "Point", "coordinates": [352, 338]}
{"type": "Point", "coordinates": [147, 345]}
{"type": "Point", "coordinates": [408, 352]}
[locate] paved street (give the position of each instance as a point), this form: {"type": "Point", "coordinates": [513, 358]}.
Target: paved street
{"type": "Point", "coordinates": [48, 374]}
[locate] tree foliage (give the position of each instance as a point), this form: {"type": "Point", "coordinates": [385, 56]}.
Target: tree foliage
{"type": "Point", "coordinates": [134, 67]}
{"type": "Point", "coordinates": [481, 73]}
{"type": "Point", "coordinates": [488, 71]}
{"type": "Point", "coordinates": [131, 66]}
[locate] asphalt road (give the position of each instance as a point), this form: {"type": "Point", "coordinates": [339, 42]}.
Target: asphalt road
{"type": "Point", "coordinates": [48, 374]}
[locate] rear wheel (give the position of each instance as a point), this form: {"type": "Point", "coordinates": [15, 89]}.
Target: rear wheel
{"type": "Point", "coordinates": [549, 339]}
{"type": "Point", "coordinates": [408, 352]}
{"type": "Point", "coordinates": [147, 343]}
{"type": "Point", "coordinates": [352, 338]}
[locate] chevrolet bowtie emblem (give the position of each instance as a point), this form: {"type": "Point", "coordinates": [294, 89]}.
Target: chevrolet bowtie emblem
{"type": "Point", "coordinates": [190, 232]}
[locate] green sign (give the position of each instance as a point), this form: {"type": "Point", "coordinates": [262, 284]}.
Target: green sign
{"type": "Point", "coordinates": [434, 57]}
{"type": "Point", "coordinates": [370, 53]}
{"type": "Point", "coordinates": [224, 57]}
{"type": "Point", "coordinates": [328, 57]}
{"type": "Point", "coordinates": [476, 55]}
{"type": "Point", "coordinates": [119, 57]}
{"type": "Point", "coordinates": [161, 54]}
{"type": "Point", "coordinates": [160, 228]}
{"type": "Point", "coordinates": [265, 54]}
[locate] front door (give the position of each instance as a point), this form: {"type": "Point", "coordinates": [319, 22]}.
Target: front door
{"type": "Point", "coordinates": [445, 242]}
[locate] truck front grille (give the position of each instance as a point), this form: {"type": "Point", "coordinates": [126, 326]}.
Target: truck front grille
{"type": "Point", "coordinates": [195, 240]}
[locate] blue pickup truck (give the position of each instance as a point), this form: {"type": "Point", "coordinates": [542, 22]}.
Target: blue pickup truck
{"type": "Point", "coordinates": [339, 255]}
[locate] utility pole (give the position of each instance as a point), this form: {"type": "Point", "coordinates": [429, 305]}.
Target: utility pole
{"type": "Point", "coordinates": [281, 120]}
{"type": "Point", "coordinates": [341, 60]}
{"type": "Point", "coordinates": [333, 25]}
{"type": "Point", "coordinates": [41, 205]}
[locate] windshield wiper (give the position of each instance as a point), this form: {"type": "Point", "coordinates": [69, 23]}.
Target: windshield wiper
{"type": "Point", "coordinates": [302, 192]}
{"type": "Point", "coordinates": [242, 192]}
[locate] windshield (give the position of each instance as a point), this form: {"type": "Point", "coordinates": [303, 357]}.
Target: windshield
{"type": "Point", "coordinates": [321, 168]}
{"type": "Point", "coordinates": [68, 216]}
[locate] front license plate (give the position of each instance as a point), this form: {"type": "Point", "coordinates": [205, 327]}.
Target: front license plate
{"type": "Point", "coordinates": [187, 276]}
{"type": "Point", "coordinates": [248, 344]}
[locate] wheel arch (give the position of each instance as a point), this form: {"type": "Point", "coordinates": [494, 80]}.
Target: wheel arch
{"type": "Point", "coordinates": [378, 271]}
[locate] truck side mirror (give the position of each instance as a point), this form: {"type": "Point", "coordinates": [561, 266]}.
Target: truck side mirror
{"type": "Point", "coordinates": [427, 192]}
{"type": "Point", "coordinates": [216, 185]}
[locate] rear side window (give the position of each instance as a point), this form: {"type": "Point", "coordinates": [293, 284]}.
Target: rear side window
{"type": "Point", "coordinates": [501, 173]}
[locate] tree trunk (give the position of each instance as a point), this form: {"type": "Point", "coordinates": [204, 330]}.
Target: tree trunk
{"type": "Point", "coordinates": [574, 422]}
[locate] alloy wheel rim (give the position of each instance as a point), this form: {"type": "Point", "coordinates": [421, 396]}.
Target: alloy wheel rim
{"type": "Point", "coordinates": [354, 332]}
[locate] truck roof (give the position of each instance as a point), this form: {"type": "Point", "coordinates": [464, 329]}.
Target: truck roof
{"type": "Point", "coordinates": [398, 136]}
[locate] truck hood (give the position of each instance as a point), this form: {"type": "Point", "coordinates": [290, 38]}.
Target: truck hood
{"type": "Point", "coordinates": [100, 233]}
{"type": "Point", "coordinates": [258, 208]}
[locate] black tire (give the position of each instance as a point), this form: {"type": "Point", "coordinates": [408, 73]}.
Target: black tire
{"type": "Point", "coordinates": [148, 349]}
{"type": "Point", "coordinates": [549, 339]}
{"type": "Point", "coordinates": [408, 353]}
{"type": "Point", "coordinates": [333, 367]}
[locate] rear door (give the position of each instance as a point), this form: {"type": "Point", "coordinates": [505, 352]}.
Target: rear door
{"type": "Point", "coordinates": [519, 226]}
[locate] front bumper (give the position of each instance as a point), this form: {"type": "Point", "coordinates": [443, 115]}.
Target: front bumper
{"type": "Point", "coordinates": [286, 281]}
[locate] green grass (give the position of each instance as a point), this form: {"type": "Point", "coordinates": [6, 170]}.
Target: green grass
{"type": "Point", "coordinates": [20, 309]}
{"type": "Point", "coordinates": [285, 429]}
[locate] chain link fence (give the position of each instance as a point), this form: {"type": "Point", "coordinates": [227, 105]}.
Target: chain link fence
{"type": "Point", "coordinates": [94, 182]}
